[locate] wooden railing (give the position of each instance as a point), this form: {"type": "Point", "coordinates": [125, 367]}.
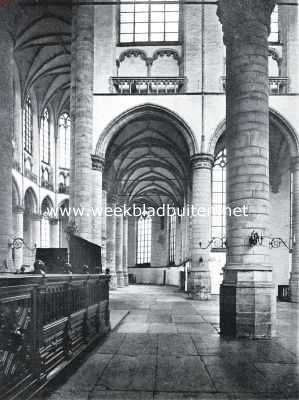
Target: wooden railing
{"type": "Point", "coordinates": [45, 322]}
{"type": "Point", "coordinates": [148, 85]}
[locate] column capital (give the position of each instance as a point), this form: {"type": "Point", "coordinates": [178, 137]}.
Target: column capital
{"type": "Point", "coordinates": [36, 217]}
{"type": "Point", "coordinates": [112, 198]}
{"type": "Point", "coordinates": [97, 162]}
{"type": "Point", "coordinates": [18, 209]}
{"type": "Point", "coordinates": [294, 164]}
{"type": "Point", "coordinates": [202, 160]}
{"type": "Point", "coordinates": [244, 20]}
{"type": "Point", "coordinates": [53, 221]}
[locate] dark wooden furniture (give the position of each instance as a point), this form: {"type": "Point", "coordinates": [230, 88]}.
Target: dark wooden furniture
{"type": "Point", "coordinates": [45, 322]}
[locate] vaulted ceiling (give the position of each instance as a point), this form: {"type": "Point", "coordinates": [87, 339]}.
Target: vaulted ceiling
{"type": "Point", "coordinates": [42, 37]}
{"type": "Point", "coordinates": [148, 162]}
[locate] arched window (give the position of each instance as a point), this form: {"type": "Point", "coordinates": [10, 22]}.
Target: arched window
{"type": "Point", "coordinates": [144, 239]}
{"type": "Point", "coordinates": [64, 135]}
{"type": "Point", "coordinates": [45, 223]}
{"type": "Point", "coordinates": [172, 238]}
{"type": "Point", "coordinates": [27, 125]}
{"type": "Point", "coordinates": [149, 22]}
{"type": "Point", "coordinates": [274, 35]}
{"type": "Point", "coordinates": [219, 196]}
{"type": "Point", "coordinates": [45, 137]}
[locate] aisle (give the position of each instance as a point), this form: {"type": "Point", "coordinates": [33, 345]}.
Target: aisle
{"type": "Point", "coordinates": [168, 348]}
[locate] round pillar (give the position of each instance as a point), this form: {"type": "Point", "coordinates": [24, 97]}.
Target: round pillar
{"type": "Point", "coordinates": [6, 135]}
{"type": "Point", "coordinates": [294, 279]}
{"type": "Point", "coordinates": [119, 251]}
{"type": "Point", "coordinates": [199, 285]}
{"type": "Point", "coordinates": [36, 229]}
{"type": "Point", "coordinates": [104, 231]}
{"type": "Point", "coordinates": [96, 201]}
{"type": "Point", "coordinates": [246, 294]}
{"type": "Point", "coordinates": [54, 233]}
{"type": "Point", "coordinates": [82, 66]}
{"type": "Point", "coordinates": [18, 253]}
{"type": "Point", "coordinates": [125, 251]}
{"type": "Point", "coordinates": [110, 248]}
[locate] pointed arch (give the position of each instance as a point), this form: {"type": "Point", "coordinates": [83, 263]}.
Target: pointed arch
{"type": "Point", "coordinates": [277, 120]}
{"type": "Point", "coordinates": [147, 109]}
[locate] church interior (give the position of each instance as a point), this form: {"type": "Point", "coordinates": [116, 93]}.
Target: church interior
{"type": "Point", "coordinates": [149, 199]}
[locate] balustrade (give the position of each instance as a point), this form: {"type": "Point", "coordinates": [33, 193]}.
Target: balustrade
{"type": "Point", "coordinates": [148, 85]}
{"type": "Point", "coordinates": [277, 84]}
{"type": "Point", "coordinates": [45, 322]}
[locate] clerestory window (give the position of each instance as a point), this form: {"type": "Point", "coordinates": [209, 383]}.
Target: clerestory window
{"type": "Point", "coordinates": [149, 21]}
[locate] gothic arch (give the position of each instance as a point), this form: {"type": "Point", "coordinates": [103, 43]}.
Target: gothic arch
{"type": "Point", "coordinates": [144, 110]}
{"type": "Point", "coordinates": [277, 120]}
{"type": "Point", "coordinates": [31, 199]}
{"type": "Point", "coordinates": [16, 194]}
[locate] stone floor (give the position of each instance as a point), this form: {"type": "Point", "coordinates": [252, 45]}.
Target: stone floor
{"type": "Point", "coordinates": [169, 348]}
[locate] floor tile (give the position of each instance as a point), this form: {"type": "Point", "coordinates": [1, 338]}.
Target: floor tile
{"type": "Point", "coordinates": [190, 396]}
{"type": "Point", "coordinates": [112, 343]}
{"type": "Point", "coordinates": [182, 374]}
{"type": "Point", "coordinates": [162, 328]}
{"type": "Point", "coordinates": [84, 379]}
{"type": "Point", "coordinates": [138, 344]}
{"type": "Point", "coordinates": [177, 344]}
{"type": "Point", "coordinates": [235, 375]}
{"type": "Point", "coordinates": [201, 328]}
{"type": "Point", "coordinates": [187, 319]}
{"type": "Point", "coordinates": [129, 373]}
{"type": "Point", "coordinates": [131, 327]}
{"type": "Point", "coordinates": [120, 395]}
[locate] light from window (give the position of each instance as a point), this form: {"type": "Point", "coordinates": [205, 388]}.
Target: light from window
{"type": "Point", "coordinates": [144, 239]}
{"type": "Point", "coordinates": [45, 137]}
{"type": "Point", "coordinates": [27, 126]}
{"type": "Point", "coordinates": [45, 224]}
{"type": "Point", "coordinates": [64, 135]}
{"type": "Point", "coordinates": [274, 35]}
{"type": "Point", "coordinates": [149, 22]}
{"type": "Point", "coordinates": [172, 238]}
{"type": "Point", "coordinates": [219, 196]}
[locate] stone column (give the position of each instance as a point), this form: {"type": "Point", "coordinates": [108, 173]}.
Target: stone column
{"type": "Point", "coordinates": [54, 233]}
{"type": "Point", "coordinates": [35, 234]}
{"type": "Point", "coordinates": [200, 279]}
{"type": "Point", "coordinates": [125, 251]}
{"type": "Point", "coordinates": [18, 253]}
{"type": "Point", "coordinates": [6, 135]}
{"type": "Point", "coordinates": [246, 294]}
{"type": "Point", "coordinates": [104, 231]}
{"type": "Point", "coordinates": [96, 201]}
{"type": "Point", "coordinates": [294, 279]}
{"type": "Point", "coordinates": [119, 251]}
{"type": "Point", "coordinates": [82, 66]}
{"type": "Point", "coordinates": [36, 229]}
{"type": "Point", "coordinates": [110, 248]}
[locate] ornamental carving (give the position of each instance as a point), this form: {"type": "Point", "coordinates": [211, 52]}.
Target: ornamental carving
{"type": "Point", "coordinates": [148, 60]}
{"type": "Point", "coordinates": [131, 53]}
{"type": "Point", "coordinates": [97, 163]}
{"type": "Point", "coordinates": [167, 53]}
{"type": "Point", "coordinates": [15, 342]}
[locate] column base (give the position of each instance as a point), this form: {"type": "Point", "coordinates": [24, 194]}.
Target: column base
{"type": "Point", "coordinates": [199, 285]}
{"type": "Point", "coordinates": [126, 279]}
{"type": "Point", "coordinates": [247, 305]}
{"type": "Point", "coordinates": [294, 287]}
{"type": "Point", "coordinates": [113, 281]}
{"type": "Point", "coordinates": [120, 279]}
